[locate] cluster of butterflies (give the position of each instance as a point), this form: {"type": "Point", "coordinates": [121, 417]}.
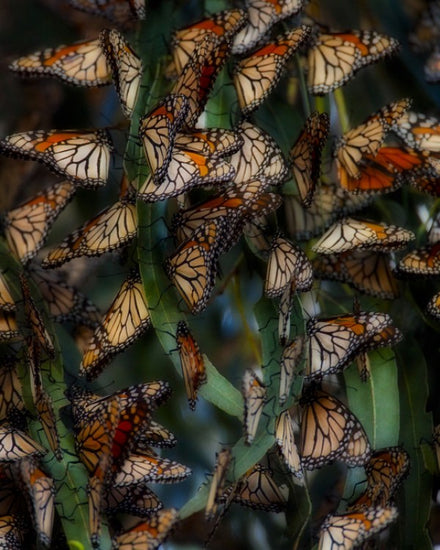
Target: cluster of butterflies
{"type": "Point", "coordinates": [114, 437]}
{"type": "Point", "coordinates": [328, 430]}
{"type": "Point", "coordinates": [369, 513]}
{"type": "Point", "coordinates": [27, 492]}
{"type": "Point", "coordinates": [114, 434]}
{"type": "Point", "coordinates": [425, 38]}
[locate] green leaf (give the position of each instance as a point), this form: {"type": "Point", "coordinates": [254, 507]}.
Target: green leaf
{"type": "Point", "coordinates": [416, 426]}
{"type": "Point", "coordinates": [220, 392]}
{"type": "Point", "coordinates": [376, 401]}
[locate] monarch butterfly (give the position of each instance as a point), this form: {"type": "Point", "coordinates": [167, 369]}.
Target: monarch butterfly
{"type": "Point", "coordinates": [256, 489]}
{"type": "Point", "coordinates": [368, 272]}
{"type": "Point", "coordinates": [287, 265]}
{"type": "Point", "coordinates": [432, 67]}
{"type": "Point", "coordinates": [11, 501]}
{"type": "Point", "coordinates": [305, 155]}
{"type": "Point", "coordinates": [254, 394]}
{"type": "Point", "coordinates": [351, 529]}
{"type": "Point", "coordinates": [256, 232]}
{"type": "Point", "coordinates": [155, 435]}
{"type": "Point", "coordinates": [199, 74]}
{"type": "Point", "coordinates": [27, 226]}
{"type": "Point", "coordinates": [433, 307]}
{"type": "Point", "coordinates": [86, 403]}
{"type": "Point", "coordinates": [143, 468]}
{"type": "Point", "coordinates": [220, 26]}
{"type": "Point", "coordinates": [256, 229]}
{"type": "Point", "coordinates": [41, 489]}
{"type": "Point", "coordinates": [289, 364]}
{"type": "Point", "coordinates": [95, 494]}
{"type": "Point", "coordinates": [192, 268]}
{"type": "Point", "coordinates": [335, 58]}
{"type": "Point", "coordinates": [419, 131]}
{"type": "Point", "coordinates": [262, 15]}
{"type": "Point", "coordinates": [8, 326]}
{"type": "Point", "coordinates": [427, 180]}
{"type": "Point", "coordinates": [46, 415]}
{"type": "Point", "coordinates": [351, 234]}
{"type": "Point", "coordinates": [134, 417]}
{"type": "Point", "coordinates": [7, 302]}
{"type": "Point", "coordinates": [385, 471]}
{"type": "Point", "coordinates": [426, 35]}
{"type": "Point", "coordinates": [213, 142]}
{"type": "Point", "coordinates": [335, 341]}
{"type": "Point", "coordinates": [135, 500]}
{"type": "Point", "coordinates": [366, 139]}
{"type": "Point", "coordinates": [113, 228]}
{"type": "Point", "coordinates": [39, 336]}
{"type": "Point", "coordinates": [13, 528]}
{"type": "Point", "coordinates": [259, 157]}
{"type": "Point", "coordinates": [330, 202]}
{"type": "Point", "coordinates": [148, 534]}
{"type": "Point", "coordinates": [257, 75]}
{"type": "Point", "coordinates": [434, 230]}
{"type": "Point", "coordinates": [390, 168]}
{"type": "Point", "coordinates": [285, 440]}
{"type": "Point", "coordinates": [65, 302]}
{"type": "Point", "coordinates": [16, 445]}
{"type": "Point", "coordinates": [153, 393]}
{"type": "Point", "coordinates": [191, 361]}
{"type": "Point", "coordinates": [158, 129]}
{"type": "Point", "coordinates": [185, 171]}
{"type": "Point", "coordinates": [119, 11]}
{"type": "Point", "coordinates": [236, 205]}
{"type": "Point", "coordinates": [284, 313]}
{"type": "Point", "coordinates": [128, 410]}
{"type": "Point", "coordinates": [81, 64]}
{"type": "Point", "coordinates": [422, 261]}
{"type": "Point", "coordinates": [126, 319]}
{"type": "Point", "coordinates": [83, 157]}
{"type": "Point", "coordinates": [223, 459]}
{"type": "Point", "coordinates": [377, 176]}
{"type": "Point", "coordinates": [126, 68]}
{"type": "Point", "coordinates": [94, 435]}
{"type": "Point", "coordinates": [330, 431]}
{"type": "Point", "coordinates": [10, 390]}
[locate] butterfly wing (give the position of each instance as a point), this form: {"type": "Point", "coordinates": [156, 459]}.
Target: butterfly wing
{"type": "Point", "coordinates": [330, 431]}
{"type": "Point", "coordinates": [259, 157]}
{"type": "Point", "coordinates": [7, 302]}
{"type": "Point", "coordinates": [113, 228]}
{"type": "Point", "coordinates": [42, 492]}
{"type": "Point", "coordinates": [126, 319]}
{"type": "Point", "coordinates": [336, 57]}
{"type": "Point", "coordinates": [262, 15]}
{"type": "Point", "coordinates": [351, 234]}
{"type": "Point", "coordinates": [220, 26]}
{"type": "Point", "coordinates": [287, 265]}
{"type": "Point", "coordinates": [192, 363]}
{"type": "Point", "coordinates": [192, 268]}
{"type": "Point", "coordinates": [27, 226]}
{"type": "Point", "coordinates": [126, 68]}
{"type": "Point", "coordinates": [285, 440]}
{"type": "Point", "coordinates": [81, 64]}
{"type": "Point", "coordinates": [305, 155]}
{"type": "Point", "coordinates": [289, 364]}
{"type": "Point", "coordinates": [83, 157]}
{"type": "Point", "coordinates": [254, 394]}
{"type": "Point", "coordinates": [256, 76]}
{"type": "Point", "coordinates": [157, 131]}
